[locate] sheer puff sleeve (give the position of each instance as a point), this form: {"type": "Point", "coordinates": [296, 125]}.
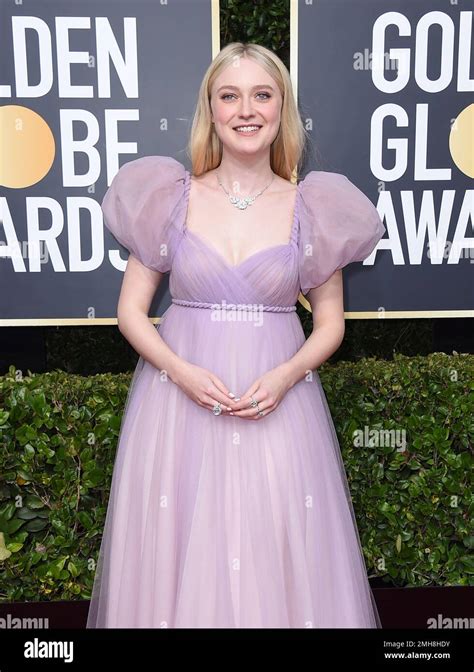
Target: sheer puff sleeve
{"type": "Point", "coordinates": [144, 209]}
{"type": "Point", "coordinates": [338, 225]}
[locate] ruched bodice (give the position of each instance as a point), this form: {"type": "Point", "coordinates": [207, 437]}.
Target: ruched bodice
{"type": "Point", "coordinates": [334, 224]}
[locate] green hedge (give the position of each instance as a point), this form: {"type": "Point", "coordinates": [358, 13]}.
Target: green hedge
{"type": "Point", "coordinates": [58, 434]}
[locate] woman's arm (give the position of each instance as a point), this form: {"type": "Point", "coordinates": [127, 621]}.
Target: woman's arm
{"type": "Point", "coordinates": [328, 331]}
{"type": "Point", "coordinates": [327, 303]}
{"type": "Point", "coordinates": [138, 289]}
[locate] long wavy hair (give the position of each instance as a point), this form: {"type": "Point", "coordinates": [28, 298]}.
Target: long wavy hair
{"type": "Point", "coordinates": [287, 150]}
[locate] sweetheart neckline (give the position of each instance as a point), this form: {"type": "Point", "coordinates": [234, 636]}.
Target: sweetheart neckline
{"type": "Point", "coordinates": [209, 245]}
{"type": "Point", "coordinates": [213, 249]}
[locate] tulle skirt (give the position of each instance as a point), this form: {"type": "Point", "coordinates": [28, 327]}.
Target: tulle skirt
{"type": "Point", "coordinates": [221, 522]}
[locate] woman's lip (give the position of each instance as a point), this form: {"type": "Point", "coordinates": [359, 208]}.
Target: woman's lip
{"type": "Point", "coordinates": [243, 126]}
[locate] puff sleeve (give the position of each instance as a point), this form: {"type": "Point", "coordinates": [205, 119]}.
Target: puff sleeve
{"type": "Point", "coordinates": [144, 209]}
{"type": "Point", "coordinates": [338, 225]}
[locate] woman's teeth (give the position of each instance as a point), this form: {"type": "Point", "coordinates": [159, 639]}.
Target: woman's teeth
{"type": "Point", "coordinates": [247, 129]}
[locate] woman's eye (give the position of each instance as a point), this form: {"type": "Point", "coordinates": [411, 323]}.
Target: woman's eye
{"type": "Point", "coordinates": [262, 93]}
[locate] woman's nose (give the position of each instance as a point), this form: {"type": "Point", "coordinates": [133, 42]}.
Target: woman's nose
{"type": "Point", "coordinates": [246, 107]}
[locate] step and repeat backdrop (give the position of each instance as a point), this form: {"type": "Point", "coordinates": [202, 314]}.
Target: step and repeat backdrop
{"type": "Point", "coordinates": [386, 95]}
{"type": "Point", "coordinates": [86, 86]}
{"type": "Point", "coordinates": [388, 99]}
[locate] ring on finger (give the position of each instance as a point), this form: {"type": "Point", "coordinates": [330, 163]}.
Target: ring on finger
{"type": "Point", "coordinates": [254, 404]}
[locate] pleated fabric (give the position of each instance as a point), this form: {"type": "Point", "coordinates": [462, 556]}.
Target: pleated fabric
{"type": "Point", "coordinates": [217, 521]}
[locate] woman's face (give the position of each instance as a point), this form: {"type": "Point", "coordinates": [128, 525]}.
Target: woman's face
{"type": "Point", "coordinates": [244, 94]}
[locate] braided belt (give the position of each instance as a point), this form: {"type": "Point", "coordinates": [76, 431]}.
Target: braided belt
{"type": "Point", "coordinates": [234, 306]}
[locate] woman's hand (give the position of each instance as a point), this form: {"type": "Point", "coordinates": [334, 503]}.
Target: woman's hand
{"type": "Point", "coordinates": [204, 388]}
{"type": "Point", "coordinates": [268, 390]}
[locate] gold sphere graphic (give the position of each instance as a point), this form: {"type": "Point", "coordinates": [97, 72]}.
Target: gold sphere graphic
{"type": "Point", "coordinates": [27, 147]}
{"type": "Point", "coordinates": [461, 141]}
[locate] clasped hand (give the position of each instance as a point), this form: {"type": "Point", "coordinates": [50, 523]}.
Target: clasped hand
{"type": "Point", "coordinates": [206, 389]}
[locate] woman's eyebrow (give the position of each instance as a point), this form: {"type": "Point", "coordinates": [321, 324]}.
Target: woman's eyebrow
{"type": "Point", "coordinates": [236, 88]}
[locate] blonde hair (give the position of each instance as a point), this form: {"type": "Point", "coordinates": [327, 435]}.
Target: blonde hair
{"type": "Point", "coordinates": [205, 147]}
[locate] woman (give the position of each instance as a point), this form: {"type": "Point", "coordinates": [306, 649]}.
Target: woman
{"type": "Point", "coordinates": [229, 504]}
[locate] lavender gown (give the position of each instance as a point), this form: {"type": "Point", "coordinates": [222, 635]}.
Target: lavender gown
{"type": "Point", "coordinates": [217, 521]}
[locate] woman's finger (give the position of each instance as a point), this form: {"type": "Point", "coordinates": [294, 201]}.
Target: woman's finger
{"type": "Point", "coordinates": [246, 398]}
{"type": "Point", "coordinates": [211, 398]}
{"type": "Point", "coordinates": [253, 414]}
{"type": "Point", "coordinates": [251, 411]}
{"type": "Point", "coordinates": [223, 388]}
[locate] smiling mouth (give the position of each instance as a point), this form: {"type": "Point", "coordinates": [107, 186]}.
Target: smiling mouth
{"type": "Point", "coordinates": [250, 129]}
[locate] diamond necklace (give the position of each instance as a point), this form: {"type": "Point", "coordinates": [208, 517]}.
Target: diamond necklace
{"type": "Point", "coordinates": [243, 203]}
